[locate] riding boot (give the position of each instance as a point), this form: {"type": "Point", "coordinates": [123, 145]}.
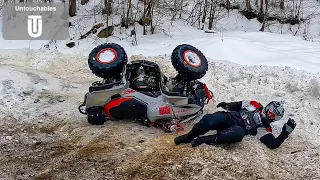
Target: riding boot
{"type": "Point", "coordinates": [211, 139]}
{"type": "Point", "coordinates": [182, 139]}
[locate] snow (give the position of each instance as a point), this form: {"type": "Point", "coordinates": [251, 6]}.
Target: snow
{"type": "Point", "coordinates": [38, 82]}
{"type": "Point", "coordinates": [245, 48]}
{"type": "Point", "coordinates": [59, 88]}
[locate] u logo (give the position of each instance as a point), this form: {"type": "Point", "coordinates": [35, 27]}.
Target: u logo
{"type": "Point", "coordinates": [34, 26]}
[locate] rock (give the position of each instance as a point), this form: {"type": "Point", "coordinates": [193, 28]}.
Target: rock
{"type": "Point", "coordinates": [37, 143]}
{"type": "Point", "coordinates": [61, 100]}
{"type": "Point", "coordinates": [83, 2]}
{"type": "Point", "coordinates": [9, 138]}
{"type": "Point", "coordinates": [36, 100]}
{"type": "Point", "coordinates": [236, 159]}
{"type": "Point", "coordinates": [70, 44]}
{"type": "Point", "coordinates": [132, 149]}
{"type": "Point", "coordinates": [106, 32]}
{"type": "Point", "coordinates": [27, 92]}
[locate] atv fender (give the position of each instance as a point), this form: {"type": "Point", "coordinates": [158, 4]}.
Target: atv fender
{"type": "Point", "coordinates": [126, 108]}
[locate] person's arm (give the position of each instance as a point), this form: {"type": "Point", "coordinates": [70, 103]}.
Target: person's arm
{"type": "Point", "coordinates": [238, 105]}
{"type": "Point", "coordinates": [266, 137]}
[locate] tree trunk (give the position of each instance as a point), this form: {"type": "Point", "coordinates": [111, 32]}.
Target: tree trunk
{"type": "Point", "coordinates": [299, 8]}
{"type": "Point", "coordinates": [181, 6]}
{"type": "Point", "coordinates": [248, 6]}
{"type": "Point", "coordinates": [211, 16]}
{"type": "Point", "coordinates": [265, 16]}
{"type": "Point", "coordinates": [228, 4]}
{"type": "Point", "coordinates": [204, 11]}
{"type": "Point", "coordinates": [108, 6]}
{"type": "Point", "coordinates": [144, 17]}
{"type": "Point", "coordinates": [151, 16]}
{"type": "Point", "coordinates": [72, 8]}
{"type": "Point", "coordinates": [261, 7]}
{"type": "Point", "coordinates": [127, 15]}
{"type": "Point", "coordinates": [199, 16]}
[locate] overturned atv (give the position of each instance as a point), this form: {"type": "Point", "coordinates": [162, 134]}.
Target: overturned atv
{"type": "Point", "coordinates": [139, 90]}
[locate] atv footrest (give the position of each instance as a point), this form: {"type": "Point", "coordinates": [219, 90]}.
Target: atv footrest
{"type": "Point", "coordinates": [105, 86]}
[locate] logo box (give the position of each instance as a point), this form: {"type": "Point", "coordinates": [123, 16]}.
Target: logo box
{"type": "Point", "coordinates": [35, 21]}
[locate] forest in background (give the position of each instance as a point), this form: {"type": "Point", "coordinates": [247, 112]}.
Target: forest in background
{"type": "Point", "coordinates": [202, 14]}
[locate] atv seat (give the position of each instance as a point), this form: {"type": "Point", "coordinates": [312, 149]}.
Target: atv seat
{"type": "Point", "coordinates": [168, 88]}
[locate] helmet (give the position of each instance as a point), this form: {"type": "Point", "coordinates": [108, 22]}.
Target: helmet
{"type": "Point", "coordinates": [274, 111]}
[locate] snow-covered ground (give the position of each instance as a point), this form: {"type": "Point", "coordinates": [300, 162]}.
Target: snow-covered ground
{"type": "Point", "coordinates": [245, 48]}
{"type": "Point", "coordinates": [44, 135]}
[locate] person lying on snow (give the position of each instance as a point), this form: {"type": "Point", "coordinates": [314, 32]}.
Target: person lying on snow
{"type": "Point", "coordinates": [243, 118]}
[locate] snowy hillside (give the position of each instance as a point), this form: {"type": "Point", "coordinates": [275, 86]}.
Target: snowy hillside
{"type": "Point", "coordinates": [43, 82]}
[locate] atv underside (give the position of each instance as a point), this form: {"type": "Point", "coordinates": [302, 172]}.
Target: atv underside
{"type": "Point", "coordinates": [139, 90]}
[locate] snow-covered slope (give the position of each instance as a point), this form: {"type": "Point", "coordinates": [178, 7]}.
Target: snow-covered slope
{"type": "Point", "coordinates": [45, 136]}
{"type": "Point", "coordinates": [245, 48]}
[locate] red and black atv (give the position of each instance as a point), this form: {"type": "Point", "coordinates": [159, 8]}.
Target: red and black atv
{"type": "Point", "coordinates": [139, 90]}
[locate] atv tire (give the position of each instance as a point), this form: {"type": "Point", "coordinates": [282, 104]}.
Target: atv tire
{"type": "Point", "coordinates": [106, 60]}
{"type": "Point", "coordinates": [95, 116]}
{"type": "Point", "coordinates": [189, 62]}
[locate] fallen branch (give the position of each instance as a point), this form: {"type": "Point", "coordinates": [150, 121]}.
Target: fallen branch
{"type": "Point", "coordinates": [93, 30]}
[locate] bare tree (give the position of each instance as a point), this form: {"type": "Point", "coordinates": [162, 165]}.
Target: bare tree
{"type": "Point", "coordinates": [265, 15]}
{"type": "Point", "coordinates": [127, 15]}
{"type": "Point", "coordinates": [72, 7]}
{"type": "Point", "coordinates": [144, 17]}
{"type": "Point", "coordinates": [181, 7]}
{"type": "Point", "coordinates": [211, 15]}
{"type": "Point", "coordinates": [261, 7]}
{"type": "Point", "coordinates": [204, 16]}
{"type": "Point", "coordinates": [228, 4]}
{"type": "Point", "coordinates": [107, 7]}
{"type": "Point", "coordinates": [248, 5]}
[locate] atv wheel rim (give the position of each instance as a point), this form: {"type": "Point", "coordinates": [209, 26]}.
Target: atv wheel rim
{"type": "Point", "coordinates": [107, 56]}
{"type": "Point", "coordinates": [192, 58]}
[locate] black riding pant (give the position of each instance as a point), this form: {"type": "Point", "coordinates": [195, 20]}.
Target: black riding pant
{"type": "Point", "coordinates": [227, 130]}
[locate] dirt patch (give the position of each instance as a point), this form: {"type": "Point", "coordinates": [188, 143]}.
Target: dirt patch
{"type": "Point", "coordinates": [96, 147]}
{"type": "Point", "coordinates": [160, 163]}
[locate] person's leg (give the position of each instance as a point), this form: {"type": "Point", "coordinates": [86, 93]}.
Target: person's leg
{"type": "Point", "coordinates": [231, 135]}
{"type": "Point", "coordinates": [216, 121]}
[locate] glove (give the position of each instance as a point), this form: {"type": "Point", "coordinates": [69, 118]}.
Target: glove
{"type": "Point", "coordinates": [289, 126]}
{"type": "Point", "coordinates": [223, 105]}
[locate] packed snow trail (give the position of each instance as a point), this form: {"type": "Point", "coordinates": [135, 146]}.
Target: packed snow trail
{"type": "Point", "coordinates": [245, 48]}
{"type": "Point", "coordinates": [45, 137]}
